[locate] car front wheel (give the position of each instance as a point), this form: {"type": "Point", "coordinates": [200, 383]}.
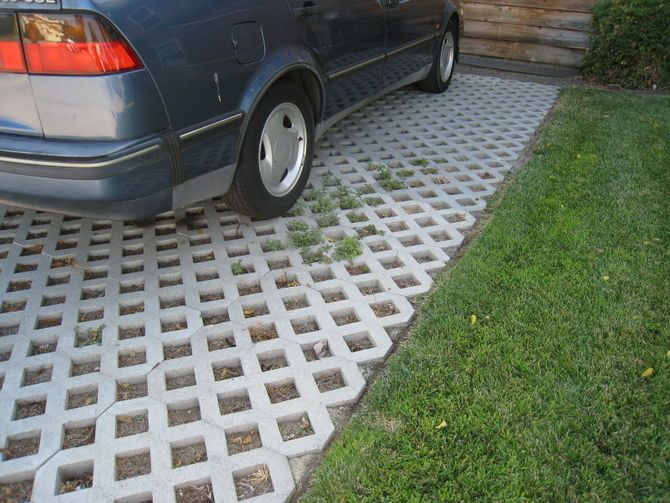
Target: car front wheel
{"type": "Point", "coordinates": [276, 156]}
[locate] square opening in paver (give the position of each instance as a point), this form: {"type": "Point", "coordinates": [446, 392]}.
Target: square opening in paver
{"type": "Point", "coordinates": [13, 307]}
{"type": "Point", "coordinates": [227, 369]}
{"type": "Point", "coordinates": [279, 264]}
{"type": "Point", "coordinates": [20, 491]}
{"type": "Point", "coordinates": [5, 353]}
{"type": "Point", "coordinates": [168, 280]}
{"type": "Point", "coordinates": [333, 295]}
{"type": "Point", "coordinates": [132, 267]}
{"type": "Point", "coordinates": [282, 391]}
{"type": "Point", "coordinates": [249, 288]}
{"type": "Point", "coordinates": [370, 287]}
{"type": "Point", "coordinates": [25, 267]}
{"type": "Point", "coordinates": [295, 426]}
{"type": "Point", "coordinates": [50, 321]}
{"type": "Point", "coordinates": [206, 256]}
{"type": "Point", "coordinates": [78, 435]}
{"type": "Point", "coordinates": [237, 251]}
{"type": "Point", "coordinates": [177, 350]}
{"type": "Point", "coordinates": [286, 281]}
{"type": "Point", "coordinates": [92, 293]}
{"type": "Point", "coordinates": [16, 286]}
{"type": "Point", "coordinates": [406, 281]}
{"type": "Point", "coordinates": [183, 412]}
{"type": "Point", "coordinates": [170, 302]}
{"type": "Point", "coordinates": [206, 275]}
{"type": "Point", "coordinates": [357, 269]}
{"type": "Point", "coordinates": [132, 423]}
{"type": "Point", "coordinates": [132, 465]}
{"type": "Point", "coordinates": [76, 477]}
{"type": "Point", "coordinates": [272, 360]}
{"type": "Point", "coordinates": [359, 342]}
{"type": "Point", "coordinates": [91, 273]}
{"type": "Point", "coordinates": [256, 309]}
{"type": "Point", "coordinates": [215, 317]}
{"type": "Point", "coordinates": [188, 452]}
{"type": "Point", "coordinates": [316, 351]}
{"type": "Point", "coordinates": [131, 332]}
{"type": "Point", "coordinates": [82, 397]}
{"type": "Point", "coordinates": [263, 332]}
{"type": "Point", "coordinates": [345, 317]}
{"type": "Point", "coordinates": [243, 439]}
{"type": "Point", "coordinates": [295, 302]}
{"type": "Point", "coordinates": [85, 366]}
{"type": "Point", "coordinates": [58, 279]}
{"type": "Point", "coordinates": [126, 309]}
{"type": "Point", "coordinates": [173, 323]}
{"type": "Point", "coordinates": [169, 261]}
{"type": "Point", "coordinates": [131, 389]}
{"type": "Point", "coordinates": [37, 375]}
{"type": "Point", "coordinates": [21, 446]}
{"type": "Point", "coordinates": [384, 309]}
{"type": "Point", "coordinates": [29, 408]}
{"type": "Point", "coordinates": [89, 336]}
{"type": "Point", "coordinates": [253, 482]}
{"type": "Point", "coordinates": [86, 315]}
{"type": "Point", "coordinates": [132, 357]}
{"type": "Point", "coordinates": [234, 401]}
{"type": "Point", "coordinates": [10, 329]}
{"type": "Point", "coordinates": [329, 380]}
{"type": "Point", "coordinates": [211, 295]}
{"type": "Point", "coordinates": [217, 342]}
{"type": "Point", "coordinates": [391, 263]}
{"type": "Point", "coordinates": [322, 274]}
{"type": "Point", "coordinates": [195, 492]}
{"type": "Point", "coordinates": [305, 325]}
{"type": "Point", "coordinates": [423, 257]}
{"type": "Point", "coordinates": [177, 379]}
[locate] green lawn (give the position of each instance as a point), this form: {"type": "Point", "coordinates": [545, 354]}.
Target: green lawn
{"type": "Point", "coordinates": [543, 398]}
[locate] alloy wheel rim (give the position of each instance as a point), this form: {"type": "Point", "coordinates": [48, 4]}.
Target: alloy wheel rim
{"type": "Point", "coordinates": [447, 56]}
{"type": "Point", "coordinates": [282, 149]}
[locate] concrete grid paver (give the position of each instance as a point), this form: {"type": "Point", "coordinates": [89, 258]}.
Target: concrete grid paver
{"type": "Point", "coordinates": [104, 324]}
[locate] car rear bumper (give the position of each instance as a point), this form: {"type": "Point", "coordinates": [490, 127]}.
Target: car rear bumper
{"type": "Point", "coordinates": [117, 180]}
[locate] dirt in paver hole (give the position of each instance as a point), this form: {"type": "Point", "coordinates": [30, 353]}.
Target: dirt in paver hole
{"type": "Point", "coordinates": [132, 358]}
{"type": "Point", "coordinates": [345, 318]}
{"type": "Point", "coordinates": [304, 327]}
{"type": "Point", "coordinates": [297, 428]}
{"type": "Point", "coordinates": [243, 441]}
{"type": "Point", "coordinates": [82, 368]}
{"type": "Point", "coordinates": [294, 303]}
{"type": "Point", "coordinates": [230, 372]}
{"type": "Point", "coordinates": [89, 337]}
{"type": "Point", "coordinates": [356, 345]}
{"type": "Point", "coordinates": [30, 409]}
{"type": "Point", "coordinates": [77, 437]}
{"type": "Point", "coordinates": [128, 467]}
{"type": "Point", "coordinates": [357, 269]}
{"type": "Point", "coordinates": [331, 297]}
{"type": "Point", "coordinates": [234, 404]}
{"type": "Point", "coordinates": [189, 455]}
{"type": "Point", "coordinates": [131, 425]}
{"type": "Point", "coordinates": [42, 348]}
{"type": "Point", "coordinates": [282, 392]}
{"type": "Point", "coordinates": [260, 333]}
{"type": "Point", "coordinates": [177, 382]}
{"type": "Point", "coordinates": [16, 492]}
{"type": "Point", "coordinates": [91, 315]}
{"type": "Point", "coordinates": [273, 364]}
{"type": "Point", "coordinates": [330, 381]}
{"type": "Point", "coordinates": [76, 483]}
{"type": "Point", "coordinates": [130, 333]}
{"type": "Point", "coordinates": [20, 448]}
{"type": "Point", "coordinates": [84, 399]}
{"type": "Point", "coordinates": [183, 416]}
{"type": "Point", "coordinates": [129, 391]}
{"type": "Point", "coordinates": [286, 281]}
{"type": "Point", "coordinates": [319, 351]}
{"type": "Point", "coordinates": [219, 343]}
{"type": "Point", "coordinates": [177, 351]}
{"type": "Point", "coordinates": [202, 493]}
{"type": "Point", "coordinates": [384, 309]}
{"type": "Point", "coordinates": [254, 484]}
{"type": "Point", "coordinates": [37, 376]}
{"type": "Point", "coordinates": [249, 289]}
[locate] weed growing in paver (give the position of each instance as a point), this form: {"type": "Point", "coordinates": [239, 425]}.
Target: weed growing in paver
{"type": "Point", "coordinates": [365, 190]}
{"type": "Point", "coordinates": [330, 180]}
{"type": "Point", "coordinates": [392, 184]}
{"type": "Point", "coordinates": [89, 337]}
{"type": "Point", "coordinates": [405, 173]}
{"type": "Point", "coordinates": [328, 220]}
{"type": "Point", "coordinates": [323, 204]}
{"type": "Point", "coordinates": [237, 268]}
{"type": "Point", "coordinates": [347, 198]}
{"type": "Point", "coordinates": [301, 235]}
{"type": "Point", "coordinates": [273, 245]}
{"type": "Point", "coordinates": [420, 162]}
{"type": "Point", "coordinates": [369, 230]}
{"type": "Point", "coordinates": [348, 249]}
{"type": "Point", "coordinates": [374, 201]}
{"type": "Point", "coordinates": [320, 255]}
{"type": "Point", "coordinates": [357, 217]}
{"type": "Point", "coordinates": [429, 171]}
{"type": "Point", "coordinates": [298, 209]}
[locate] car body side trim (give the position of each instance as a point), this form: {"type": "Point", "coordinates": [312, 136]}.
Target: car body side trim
{"type": "Point", "coordinates": [214, 125]}
{"type": "Point", "coordinates": [357, 66]}
{"type": "Point", "coordinates": [81, 165]}
{"type": "Point", "coordinates": [411, 45]}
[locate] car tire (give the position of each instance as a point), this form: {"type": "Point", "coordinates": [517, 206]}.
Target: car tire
{"type": "Point", "coordinates": [444, 64]}
{"type": "Point", "coordinates": [276, 156]}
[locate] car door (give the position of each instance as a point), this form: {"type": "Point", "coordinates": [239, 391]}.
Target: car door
{"type": "Point", "coordinates": [348, 38]}
{"type": "Point", "coordinates": [409, 38]}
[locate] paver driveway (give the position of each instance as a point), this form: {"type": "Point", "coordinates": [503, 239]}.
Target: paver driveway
{"type": "Point", "coordinates": [192, 358]}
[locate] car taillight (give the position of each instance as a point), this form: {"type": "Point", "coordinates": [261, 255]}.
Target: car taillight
{"type": "Point", "coordinates": [11, 54]}
{"type": "Point", "coordinates": [74, 44]}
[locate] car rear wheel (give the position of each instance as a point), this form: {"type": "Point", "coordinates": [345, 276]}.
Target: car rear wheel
{"type": "Point", "coordinates": [276, 156]}
{"type": "Point", "coordinates": [442, 71]}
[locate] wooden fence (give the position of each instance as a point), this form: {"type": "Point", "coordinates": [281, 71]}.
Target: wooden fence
{"type": "Point", "coordinates": [536, 36]}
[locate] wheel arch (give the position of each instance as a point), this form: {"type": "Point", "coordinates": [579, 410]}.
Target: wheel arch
{"type": "Point", "coordinates": [302, 70]}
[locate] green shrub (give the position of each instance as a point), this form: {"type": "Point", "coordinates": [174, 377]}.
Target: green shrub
{"type": "Point", "coordinates": [630, 44]}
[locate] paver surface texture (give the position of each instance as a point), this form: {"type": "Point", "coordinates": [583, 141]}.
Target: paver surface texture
{"type": "Point", "coordinates": [190, 359]}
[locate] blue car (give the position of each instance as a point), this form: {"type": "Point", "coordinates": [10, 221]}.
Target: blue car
{"type": "Point", "coordinates": [125, 109]}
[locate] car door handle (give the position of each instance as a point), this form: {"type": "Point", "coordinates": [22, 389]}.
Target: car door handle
{"type": "Point", "coordinates": [307, 10]}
